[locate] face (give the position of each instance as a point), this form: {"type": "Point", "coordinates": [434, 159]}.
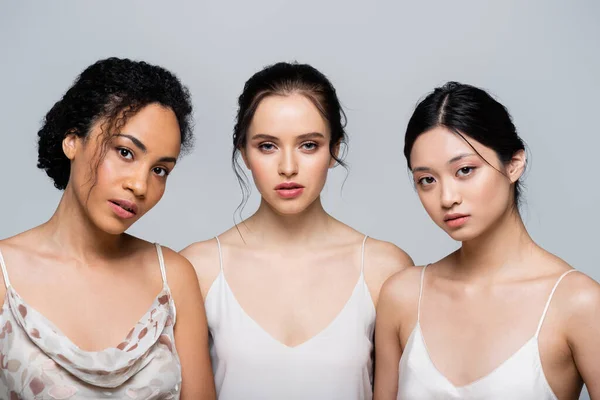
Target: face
{"type": "Point", "coordinates": [132, 176]}
{"type": "Point", "coordinates": [287, 151]}
{"type": "Point", "coordinates": [462, 193]}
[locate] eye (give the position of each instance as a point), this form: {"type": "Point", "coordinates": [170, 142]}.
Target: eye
{"type": "Point", "coordinates": [266, 147]}
{"type": "Point", "coordinates": [310, 146]}
{"type": "Point", "coordinates": [125, 153]}
{"type": "Point", "coordinates": [426, 181]}
{"type": "Point", "coordinates": [465, 171]}
{"type": "Point", "coordinates": [160, 171]}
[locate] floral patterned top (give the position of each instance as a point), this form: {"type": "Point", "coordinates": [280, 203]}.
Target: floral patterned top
{"type": "Point", "coordinates": [37, 361]}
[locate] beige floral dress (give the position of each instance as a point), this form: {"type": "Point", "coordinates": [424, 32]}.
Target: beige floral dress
{"type": "Point", "coordinates": [37, 361]}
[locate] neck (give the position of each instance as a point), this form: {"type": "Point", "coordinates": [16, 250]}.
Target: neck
{"type": "Point", "coordinates": [307, 227]}
{"type": "Point", "coordinates": [504, 245]}
{"type": "Point", "coordinates": [72, 232]}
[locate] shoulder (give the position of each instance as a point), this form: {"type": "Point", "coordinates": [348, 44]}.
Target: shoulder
{"type": "Point", "coordinates": [382, 260]}
{"type": "Point", "coordinates": [386, 255]}
{"type": "Point", "coordinates": [181, 275]}
{"type": "Point", "coordinates": [402, 288]}
{"type": "Point", "coordinates": [576, 298]}
{"type": "Point", "coordinates": [202, 253]}
{"type": "Point", "coordinates": [205, 260]}
{"type": "Point", "coordinates": [399, 298]}
{"type": "Point", "coordinates": [579, 297]}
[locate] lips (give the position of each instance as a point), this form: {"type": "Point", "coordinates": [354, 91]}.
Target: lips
{"type": "Point", "coordinates": [126, 205]}
{"type": "Point", "coordinates": [450, 217]}
{"type": "Point", "coordinates": [289, 190]}
{"type": "Point", "coordinates": [288, 186]}
{"type": "Point", "coordinates": [456, 220]}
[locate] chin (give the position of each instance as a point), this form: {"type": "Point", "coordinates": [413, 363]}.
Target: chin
{"type": "Point", "coordinates": [289, 207]}
{"type": "Point", "coordinates": [463, 234]}
{"type": "Point", "coordinates": [112, 226]}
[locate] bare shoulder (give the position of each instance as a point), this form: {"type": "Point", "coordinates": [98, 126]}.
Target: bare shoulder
{"type": "Point", "coordinates": [577, 297]}
{"type": "Point", "coordinates": [181, 275]}
{"type": "Point", "coordinates": [402, 288]}
{"type": "Point", "coordinates": [382, 260]}
{"type": "Point", "coordinates": [15, 251]}
{"type": "Point", "coordinates": [204, 257]}
{"type": "Point", "coordinates": [386, 256]}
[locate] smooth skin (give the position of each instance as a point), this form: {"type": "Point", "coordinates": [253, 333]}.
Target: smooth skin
{"type": "Point", "coordinates": [498, 267]}
{"type": "Point", "coordinates": [292, 266]}
{"type": "Point", "coordinates": [92, 280]}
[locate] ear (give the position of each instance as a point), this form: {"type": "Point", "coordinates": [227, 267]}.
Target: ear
{"type": "Point", "coordinates": [245, 157]}
{"type": "Point", "coordinates": [70, 144]}
{"type": "Point", "coordinates": [336, 153]}
{"type": "Point", "coordinates": [516, 165]}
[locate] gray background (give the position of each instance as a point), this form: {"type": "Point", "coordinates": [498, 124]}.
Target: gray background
{"type": "Point", "coordinates": [540, 58]}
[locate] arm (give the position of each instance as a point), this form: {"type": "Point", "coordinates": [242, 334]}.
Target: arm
{"type": "Point", "coordinates": [396, 317]}
{"type": "Point", "coordinates": [191, 331]}
{"type": "Point", "coordinates": [387, 345]}
{"type": "Point", "coordinates": [583, 333]}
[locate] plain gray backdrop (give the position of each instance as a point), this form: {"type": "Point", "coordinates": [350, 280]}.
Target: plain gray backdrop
{"type": "Point", "coordinates": [540, 58]}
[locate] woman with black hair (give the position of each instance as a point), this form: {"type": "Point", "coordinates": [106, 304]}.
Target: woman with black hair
{"type": "Point", "coordinates": [499, 318]}
{"type": "Point", "coordinates": [74, 288]}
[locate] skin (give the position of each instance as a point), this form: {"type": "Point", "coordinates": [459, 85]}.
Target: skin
{"type": "Point", "coordinates": [92, 280]}
{"type": "Point", "coordinates": [499, 268]}
{"type": "Point", "coordinates": [298, 265]}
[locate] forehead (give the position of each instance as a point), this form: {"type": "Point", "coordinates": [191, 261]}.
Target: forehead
{"type": "Point", "coordinates": [293, 114]}
{"type": "Point", "coordinates": [439, 145]}
{"type": "Point", "coordinates": [157, 127]}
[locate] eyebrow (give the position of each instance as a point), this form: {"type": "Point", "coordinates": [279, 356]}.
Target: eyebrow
{"type": "Point", "coordinates": [310, 135]}
{"type": "Point", "coordinates": [144, 149]}
{"type": "Point", "coordinates": [452, 160]}
{"type": "Point", "coordinates": [135, 141]}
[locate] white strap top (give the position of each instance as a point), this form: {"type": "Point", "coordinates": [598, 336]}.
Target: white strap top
{"type": "Point", "coordinates": [520, 377]}
{"type": "Point", "coordinates": [250, 364]}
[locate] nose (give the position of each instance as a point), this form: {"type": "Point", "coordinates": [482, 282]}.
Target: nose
{"type": "Point", "coordinates": [450, 195]}
{"type": "Point", "coordinates": [288, 165]}
{"type": "Point", "coordinates": [137, 182]}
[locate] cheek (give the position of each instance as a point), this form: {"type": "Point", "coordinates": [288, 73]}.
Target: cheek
{"type": "Point", "coordinates": [489, 191]}
{"type": "Point", "coordinates": [317, 167]}
{"type": "Point", "coordinates": [430, 201]}
{"type": "Point", "coordinates": [262, 168]}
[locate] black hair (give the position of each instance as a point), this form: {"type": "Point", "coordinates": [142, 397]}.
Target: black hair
{"type": "Point", "coordinates": [467, 111]}
{"type": "Point", "coordinates": [112, 91]}
{"type": "Point", "coordinates": [284, 79]}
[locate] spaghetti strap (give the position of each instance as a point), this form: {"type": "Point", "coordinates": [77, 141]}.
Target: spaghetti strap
{"type": "Point", "coordinates": [539, 328]}
{"type": "Point", "coordinates": [220, 253]}
{"type": "Point", "coordinates": [161, 261]}
{"type": "Point", "coordinates": [362, 256]}
{"type": "Point", "coordinates": [421, 293]}
{"type": "Point", "coordinates": [4, 272]}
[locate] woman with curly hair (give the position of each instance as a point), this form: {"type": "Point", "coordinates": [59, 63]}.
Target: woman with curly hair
{"type": "Point", "coordinates": [76, 286]}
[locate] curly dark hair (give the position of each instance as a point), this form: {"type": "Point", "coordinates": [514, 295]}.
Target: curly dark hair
{"type": "Point", "coordinates": [112, 91]}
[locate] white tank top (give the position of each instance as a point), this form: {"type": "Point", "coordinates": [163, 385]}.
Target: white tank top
{"type": "Point", "coordinates": [250, 364]}
{"type": "Point", "coordinates": [520, 377]}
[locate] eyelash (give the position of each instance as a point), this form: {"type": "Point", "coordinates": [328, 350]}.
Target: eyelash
{"type": "Point", "coordinates": [121, 150]}
{"type": "Point", "coordinates": [263, 145]}
{"type": "Point", "coordinates": [470, 169]}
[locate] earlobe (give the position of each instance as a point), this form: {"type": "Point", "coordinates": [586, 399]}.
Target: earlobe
{"type": "Point", "coordinates": [517, 165]}
{"type": "Point", "coordinates": [69, 144]}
